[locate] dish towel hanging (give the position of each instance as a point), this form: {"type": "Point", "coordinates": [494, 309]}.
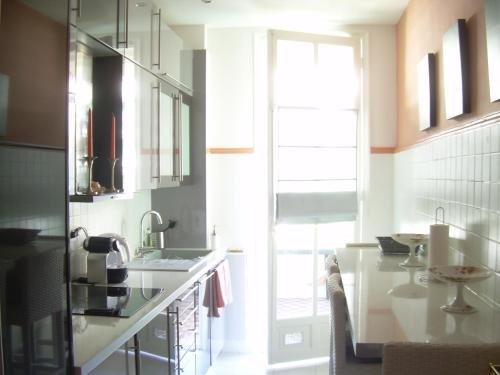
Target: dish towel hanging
{"type": "Point", "coordinates": [218, 293]}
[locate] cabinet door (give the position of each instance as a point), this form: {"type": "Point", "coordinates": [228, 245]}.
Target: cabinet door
{"type": "Point", "coordinates": [203, 343]}
{"type": "Point", "coordinates": [154, 341]}
{"type": "Point", "coordinates": [104, 20]}
{"type": "Point", "coordinates": [139, 32]}
{"type": "Point", "coordinates": [169, 55]}
{"type": "Point", "coordinates": [146, 129]}
{"type": "Point", "coordinates": [166, 142]}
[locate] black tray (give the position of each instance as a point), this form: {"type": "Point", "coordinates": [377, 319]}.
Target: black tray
{"type": "Point", "coordinates": [389, 246]}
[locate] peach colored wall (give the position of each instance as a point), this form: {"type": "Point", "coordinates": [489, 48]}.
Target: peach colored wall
{"type": "Point", "coordinates": [33, 53]}
{"type": "Point", "coordinates": [420, 31]}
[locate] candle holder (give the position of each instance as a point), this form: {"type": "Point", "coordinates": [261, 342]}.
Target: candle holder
{"type": "Point", "coordinates": [90, 162]}
{"type": "Point", "coordinates": [113, 189]}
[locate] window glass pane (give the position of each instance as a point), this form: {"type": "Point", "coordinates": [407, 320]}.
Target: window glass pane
{"type": "Point", "coordinates": [294, 286]}
{"type": "Point", "coordinates": [294, 73]}
{"type": "Point", "coordinates": [323, 302]}
{"type": "Point", "coordinates": [337, 80]}
{"type": "Point", "coordinates": [299, 163]}
{"type": "Point", "coordinates": [313, 127]}
{"type": "Point", "coordinates": [294, 237]}
{"type": "Point", "coordinates": [294, 244]}
{"type": "Point", "coordinates": [334, 235]}
{"type": "Point", "coordinates": [316, 186]}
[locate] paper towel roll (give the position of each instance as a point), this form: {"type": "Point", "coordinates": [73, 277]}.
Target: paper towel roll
{"type": "Point", "coordinates": [438, 245]}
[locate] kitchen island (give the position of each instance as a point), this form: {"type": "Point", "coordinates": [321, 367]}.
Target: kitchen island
{"type": "Point", "coordinates": [95, 338]}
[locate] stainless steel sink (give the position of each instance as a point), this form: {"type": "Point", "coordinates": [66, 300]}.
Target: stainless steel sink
{"type": "Point", "coordinates": [170, 259]}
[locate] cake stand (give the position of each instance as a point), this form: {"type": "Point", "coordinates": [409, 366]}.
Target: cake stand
{"type": "Point", "coordinates": [412, 240]}
{"type": "Point", "coordinates": [459, 275]}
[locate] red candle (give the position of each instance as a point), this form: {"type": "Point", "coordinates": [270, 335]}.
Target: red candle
{"type": "Point", "coordinates": [90, 135]}
{"type": "Point", "coordinates": [112, 143]}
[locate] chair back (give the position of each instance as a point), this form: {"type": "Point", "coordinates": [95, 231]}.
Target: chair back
{"type": "Point", "coordinates": [438, 359]}
{"type": "Point", "coordinates": [331, 264]}
{"type": "Point", "coordinates": [337, 323]}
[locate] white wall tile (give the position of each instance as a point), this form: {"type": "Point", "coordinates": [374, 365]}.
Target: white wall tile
{"type": "Point", "coordinates": [460, 172]}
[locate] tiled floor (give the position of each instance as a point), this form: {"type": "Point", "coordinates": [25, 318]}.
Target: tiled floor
{"type": "Point", "coordinates": [254, 364]}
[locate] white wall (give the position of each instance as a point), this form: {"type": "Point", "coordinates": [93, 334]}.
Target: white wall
{"type": "Point", "coordinates": [381, 99]}
{"type": "Point", "coordinates": [237, 184]}
{"type": "Point", "coordinates": [378, 199]}
{"type": "Point", "coordinates": [459, 172]}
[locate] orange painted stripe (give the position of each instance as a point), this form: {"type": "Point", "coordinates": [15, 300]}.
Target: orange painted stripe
{"type": "Point", "coordinates": [383, 150]}
{"type": "Point", "coordinates": [230, 150]}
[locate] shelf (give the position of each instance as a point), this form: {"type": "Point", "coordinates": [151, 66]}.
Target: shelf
{"type": "Point", "coordinates": [98, 198]}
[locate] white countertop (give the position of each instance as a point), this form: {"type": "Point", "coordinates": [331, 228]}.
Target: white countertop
{"type": "Point", "coordinates": [384, 306]}
{"type": "Point", "coordinates": [95, 337]}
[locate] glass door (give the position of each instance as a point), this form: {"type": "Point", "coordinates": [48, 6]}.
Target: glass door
{"type": "Point", "coordinates": [315, 116]}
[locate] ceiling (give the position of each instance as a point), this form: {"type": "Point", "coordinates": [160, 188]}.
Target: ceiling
{"type": "Point", "coordinates": [272, 13]}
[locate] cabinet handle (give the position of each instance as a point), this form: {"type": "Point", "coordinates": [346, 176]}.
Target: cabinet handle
{"type": "Point", "coordinates": [181, 166]}
{"type": "Point", "coordinates": [137, 354]}
{"type": "Point", "coordinates": [187, 294]}
{"type": "Point", "coordinates": [118, 25]}
{"type": "Point", "coordinates": [158, 61]}
{"type": "Point", "coordinates": [174, 130]}
{"type": "Point", "coordinates": [78, 8]}
{"type": "Point", "coordinates": [175, 137]}
{"type": "Point", "coordinates": [157, 88]}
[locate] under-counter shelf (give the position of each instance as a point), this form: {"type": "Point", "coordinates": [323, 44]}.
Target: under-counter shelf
{"type": "Point", "coordinates": [81, 198]}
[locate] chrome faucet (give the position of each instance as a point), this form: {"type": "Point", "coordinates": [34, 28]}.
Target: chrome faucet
{"type": "Point", "coordinates": [160, 221]}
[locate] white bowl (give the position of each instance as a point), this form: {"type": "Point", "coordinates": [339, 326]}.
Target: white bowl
{"type": "Point", "coordinates": [411, 239]}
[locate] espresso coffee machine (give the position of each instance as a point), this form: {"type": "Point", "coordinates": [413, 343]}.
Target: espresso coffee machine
{"type": "Point", "coordinates": [104, 262]}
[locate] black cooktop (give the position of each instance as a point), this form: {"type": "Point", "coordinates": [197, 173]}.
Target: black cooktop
{"type": "Point", "coordinates": [113, 301]}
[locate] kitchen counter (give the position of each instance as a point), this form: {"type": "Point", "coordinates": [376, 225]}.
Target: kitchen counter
{"type": "Point", "coordinates": [95, 338]}
{"type": "Point", "coordinates": [389, 303]}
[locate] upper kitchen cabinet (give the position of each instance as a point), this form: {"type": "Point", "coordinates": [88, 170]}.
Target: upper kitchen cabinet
{"type": "Point", "coordinates": [141, 26]}
{"type": "Point", "coordinates": [162, 118]}
{"type": "Point", "coordinates": [138, 30]}
{"type": "Point", "coordinates": [104, 20]}
{"type": "Point", "coordinates": [170, 57]}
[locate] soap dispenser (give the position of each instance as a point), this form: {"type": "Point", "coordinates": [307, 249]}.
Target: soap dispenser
{"type": "Point", "coordinates": [213, 239]}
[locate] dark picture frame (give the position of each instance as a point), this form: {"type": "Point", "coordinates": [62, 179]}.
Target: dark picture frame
{"type": "Point", "coordinates": [456, 70]}
{"type": "Point", "coordinates": [492, 19]}
{"type": "Point", "coordinates": [427, 91]}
